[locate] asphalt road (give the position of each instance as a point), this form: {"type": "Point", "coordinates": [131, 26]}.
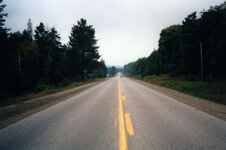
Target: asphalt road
{"type": "Point", "coordinates": [116, 114]}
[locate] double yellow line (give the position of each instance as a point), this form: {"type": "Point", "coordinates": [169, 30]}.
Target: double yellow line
{"type": "Point", "coordinates": [124, 123]}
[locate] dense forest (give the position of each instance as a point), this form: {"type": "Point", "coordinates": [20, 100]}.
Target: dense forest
{"type": "Point", "coordinates": [30, 60]}
{"type": "Point", "coordinates": [196, 48]}
{"type": "Point", "coordinates": [111, 71]}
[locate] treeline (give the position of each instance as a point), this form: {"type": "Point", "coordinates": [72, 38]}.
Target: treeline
{"type": "Point", "coordinates": [27, 61]}
{"type": "Point", "coordinates": [111, 71]}
{"type": "Point", "coordinates": [179, 51]}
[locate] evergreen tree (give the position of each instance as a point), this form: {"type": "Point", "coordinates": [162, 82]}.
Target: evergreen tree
{"type": "Point", "coordinates": [102, 69]}
{"type": "Point", "coordinates": [3, 52]}
{"type": "Point", "coordinates": [56, 58]}
{"type": "Point", "coordinates": [41, 40]}
{"type": "Point", "coordinates": [83, 53]}
{"type": "Point", "coordinates": [112, 71]}
{"type": "Point", "coordinates": [2, 15]}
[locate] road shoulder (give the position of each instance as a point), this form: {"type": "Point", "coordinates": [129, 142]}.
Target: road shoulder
{"type": "Point", "coordinates": [209, 107]}
{"type": "Point", "coordinates": [18, 111]}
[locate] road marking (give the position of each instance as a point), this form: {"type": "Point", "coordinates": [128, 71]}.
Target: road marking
{"type": "Point", "coordinates": [123, 145]}
{"type": "Point", "coordinates": [123, 98]}
{"type": "Point", "coordinates": [129, 125]}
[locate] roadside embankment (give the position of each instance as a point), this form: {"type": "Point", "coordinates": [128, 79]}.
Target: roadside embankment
{"type": "Point", "coordinates": [172, 88]}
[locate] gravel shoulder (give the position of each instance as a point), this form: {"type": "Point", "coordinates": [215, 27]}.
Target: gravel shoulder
{"type": "Point", "coordinates": [15, 112]}
{"type": "Point", "coordinates": [209, 107]}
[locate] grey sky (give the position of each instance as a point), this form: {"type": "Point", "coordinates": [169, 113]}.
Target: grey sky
{"type": "Point", "coordinates": [126, 29]}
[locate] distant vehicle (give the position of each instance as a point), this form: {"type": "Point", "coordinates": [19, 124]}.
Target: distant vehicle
{"type": "Point", "coordinates": [121, 76]}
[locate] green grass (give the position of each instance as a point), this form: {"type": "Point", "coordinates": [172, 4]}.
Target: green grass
{"type": "Point", "coordinates": [214, 91]}
{"type": "Point", "coordinates": [43, 90]}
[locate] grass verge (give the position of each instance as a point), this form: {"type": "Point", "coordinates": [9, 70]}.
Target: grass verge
{"type": "Point", "coordinates": [44, 90]}
{"type": "Point", "coordinates": [214, 91]}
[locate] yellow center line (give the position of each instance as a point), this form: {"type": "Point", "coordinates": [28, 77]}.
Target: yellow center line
{"type": "Point", "coordinates": [123, 145]}
{"type": "Point", "coordinates": [129, 125]}
{"type": "Point", "coordinates": [123, 98]}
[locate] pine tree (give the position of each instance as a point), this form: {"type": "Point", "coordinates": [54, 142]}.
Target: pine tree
{"type": "Point", "coordinates": [2, 15]}
{"type": "Point", "coordinates": [102, 69]}
{"type": "Point", "coordinates": [41, 40]}
{"type": "Point", "coordinates": [83, 53]}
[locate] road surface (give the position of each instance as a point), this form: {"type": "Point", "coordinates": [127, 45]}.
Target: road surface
{"type": "Point", "coordinates": [117, 114]}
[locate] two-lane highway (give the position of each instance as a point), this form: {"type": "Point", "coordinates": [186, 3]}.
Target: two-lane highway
{"type": "Point", "coordinates": [91, 120]}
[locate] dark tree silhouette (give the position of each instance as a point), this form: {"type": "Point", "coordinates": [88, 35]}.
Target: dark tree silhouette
{"type": "Point", "coordinates": [179, 48]}
{"type": "Point", "coordinates": [83, 52]}
{"type": "Point", "coordinates": [32, 63]}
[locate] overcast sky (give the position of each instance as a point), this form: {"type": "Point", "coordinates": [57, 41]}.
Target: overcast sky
{"type": "Point", "coordinates": [126, 29]}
